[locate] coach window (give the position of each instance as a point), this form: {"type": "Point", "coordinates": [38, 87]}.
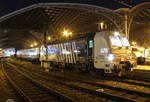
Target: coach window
{"type": "Point", "coordinates": [91, 44]}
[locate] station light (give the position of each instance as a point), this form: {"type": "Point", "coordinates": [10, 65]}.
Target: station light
{"type": "Point", "coordinates": [31, 45]}
{"type": "Point", "coordinates": [67, 33]}
{"type": "Point", "coordinates": [102, 25]}
{"type": "Point", "coordinates": [49, 38]}
{"type": "Point", "coordinates": [35, 44]}
{"type": "Point", "coordinates": [133, 43]}
{"type": "Point", "coordinates": [70, 33]}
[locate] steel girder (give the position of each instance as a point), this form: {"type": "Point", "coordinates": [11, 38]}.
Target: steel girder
{"type": "Point", "coordinates": [140, 24]}
{"type": "Point", "coordinates": [14, 36]}
{"type": "Point", "coordinates": [54, 17]}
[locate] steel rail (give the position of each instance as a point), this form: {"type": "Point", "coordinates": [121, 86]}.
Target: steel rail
{"type": "Point", "coordinates": [99, 84]}
{"type": "Point", "coordinates": [125, 80]}
{"type": "Point", "coordinates": [36, 83]}
{"type": "Point", "coordinates": [20, 92]}
{"type": "Point", "coordinates": [91, 91]}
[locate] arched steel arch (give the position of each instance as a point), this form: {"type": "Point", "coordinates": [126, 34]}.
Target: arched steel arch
{"type": "Point", "coordinates": [138, 14]}
{"type": "Point", "coordinates": [17, 37]}
{"type": "Point", "coordinates": [141, 19]}
{"type": "Point", "coordinates": [108, 13]}
{"type": "Point", "coordinates": [50, 16]}
{"type": "Point", "coordinates": [141, 6]}
{"type": "Point", "coordinates": [141, 12]}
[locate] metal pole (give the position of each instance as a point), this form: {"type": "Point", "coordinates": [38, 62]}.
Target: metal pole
{"type": "Point", "coordinates": [129, 25]}
{"type": "Point", "coordinates": [45, 44]}
{"type": "Point", "coordinates": [39, 52]}
{"type": "Point", "coordinates": [15, 53]}
{"type": "Point", "coordinates": [126, 26]}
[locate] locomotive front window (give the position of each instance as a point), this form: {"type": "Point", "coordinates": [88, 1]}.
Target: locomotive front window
{"type": "Point", "coordinates": [124, 41]}
{"type": "Point", "coordinates": [115, 41]}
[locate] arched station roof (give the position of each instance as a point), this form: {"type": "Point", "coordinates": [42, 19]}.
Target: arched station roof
{"type": "Point", "coordinates": [141, 12]}
{"type": "Point", "coordinates": [140, 29]}
{"type": "Point", "coordinates": [27, 25]}
{"type": "Point", "coordinates": [138, 22]}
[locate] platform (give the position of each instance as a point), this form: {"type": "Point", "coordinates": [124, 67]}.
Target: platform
{"type": "Point", "coordinates": [142, 67]}
{"type": "Point", "coordinates": [141, 71]}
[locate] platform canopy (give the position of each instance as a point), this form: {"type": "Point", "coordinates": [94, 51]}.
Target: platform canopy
{"type": "Point", "coordinates": [140, 29]}
{"type": "Point", "coordinates": [21, 28]}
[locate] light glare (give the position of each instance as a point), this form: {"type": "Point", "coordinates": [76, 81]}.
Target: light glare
{"type": "Point", "coordinates": [49, 38]}
{"type": "Point", "coordinates": [102, 25]}
{"type": "Point", "coordinates": [110, 57]}
{"type": "Point", "coordinates": [35, 44]}
{"type": "Point", "coordinates": [31, 45]}
{"type": "Point", "coordinates": [116, 33]}
{"type": "Point", "coordinates": [67, 33]}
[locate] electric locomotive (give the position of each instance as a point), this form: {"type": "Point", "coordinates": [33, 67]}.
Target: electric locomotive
{"type": "Point", "coordinates": [106, 52]}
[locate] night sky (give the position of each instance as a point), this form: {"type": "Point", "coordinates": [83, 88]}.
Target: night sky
{"type": "Point", "coordinates": [7, 6]}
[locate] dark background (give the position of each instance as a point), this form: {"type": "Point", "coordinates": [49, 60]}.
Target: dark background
{"type": "Point", "coordinates": [7, 6]}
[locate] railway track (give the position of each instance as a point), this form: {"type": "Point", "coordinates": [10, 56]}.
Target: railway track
{"type": "Point", "coordinates": [7, 92]}
{"type": "Point", "coordinates": [143, 83]}
{"type": "Point", "coordinates": [78, 96]}
{"type": "Point", "coordinates": [95, 88]}
{"type": "Point", "coordinates": [31, 90]}
{"type": "Point", "coordinates": [124, 80]}
{"type": "Point", "coordinates": [131, 81]}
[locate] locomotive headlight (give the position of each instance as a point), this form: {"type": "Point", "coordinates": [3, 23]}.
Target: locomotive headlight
{"type": "Point", "coordinates": [110, 57]}
{"type": "Point", "coordinates": [130, 56]}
